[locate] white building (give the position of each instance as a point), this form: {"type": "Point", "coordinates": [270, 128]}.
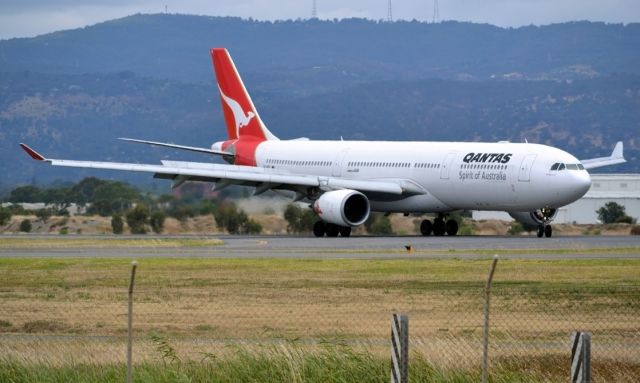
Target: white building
{"type": "Point", "coordinates": [623, 189]}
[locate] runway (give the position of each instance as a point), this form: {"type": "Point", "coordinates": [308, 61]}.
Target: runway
{"type": "Point", "coordinates": [570, 247]}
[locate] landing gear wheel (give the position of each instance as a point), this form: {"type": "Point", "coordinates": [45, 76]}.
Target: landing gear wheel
{"type": "Point", "coordinates": [345, 231]}
{"type": "Point", "coordinates": [451, 227]}
{"type": "Point", "coordinates": [540, 232]}
{"type": "Point", "coordinates": [332, 230]}
{"type": "Point", "coordinates": [548, 231]}
{"type": "Point", "coordinates": [319, 229]}
{"type": "Point", "coordinates": [439, 227]}
{"type": "Point", "coordinates": [426, 227]}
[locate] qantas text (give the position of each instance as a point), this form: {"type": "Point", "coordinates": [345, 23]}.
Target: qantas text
{"type": "Point", "coordinates": [501, 158]}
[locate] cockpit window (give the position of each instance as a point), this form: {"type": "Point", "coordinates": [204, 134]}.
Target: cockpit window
{"type": "Point", "coordinates": [560, 166]}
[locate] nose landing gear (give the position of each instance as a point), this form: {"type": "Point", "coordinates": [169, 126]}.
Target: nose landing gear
{"type": "Point", "coordinates": [545, 230]}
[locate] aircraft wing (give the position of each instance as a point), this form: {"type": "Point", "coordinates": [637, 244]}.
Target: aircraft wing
{"type": "Point", "coordinates": [182, 147]}
{"type": "Point", "coordinates": [616, 157]}
{"type": "Point", "coordinates": [262, 178]}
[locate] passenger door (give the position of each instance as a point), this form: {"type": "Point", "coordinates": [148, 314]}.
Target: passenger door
{"type": "Point", "coordinates": [446, 165]}
{"type": "Point", "coordinates": [524, 174]}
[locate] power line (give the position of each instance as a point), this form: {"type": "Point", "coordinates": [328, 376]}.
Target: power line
{"type": "Point", "coordinates": [436, 12]}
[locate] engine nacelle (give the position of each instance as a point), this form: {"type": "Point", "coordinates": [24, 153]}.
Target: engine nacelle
{"type": "Point", "coordinates": [536, 217]}
{"type": "Point", "coordinates": [343, 207]}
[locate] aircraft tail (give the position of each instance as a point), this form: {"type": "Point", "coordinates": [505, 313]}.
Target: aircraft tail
{"type": "Point", "coordinates": [240, 114]}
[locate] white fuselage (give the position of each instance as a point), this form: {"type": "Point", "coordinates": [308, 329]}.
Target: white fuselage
{"type": "Point", "coordinates": [454, 175]}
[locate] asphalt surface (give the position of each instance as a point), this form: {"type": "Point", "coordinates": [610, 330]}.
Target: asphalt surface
{"type": "Point", "coordinates": [570, 247]}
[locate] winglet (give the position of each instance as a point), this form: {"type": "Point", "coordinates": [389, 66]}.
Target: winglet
{"type": "Point", "coordinates": [35, 155]}
{"type": "Point", "coordinates": [617, 150]}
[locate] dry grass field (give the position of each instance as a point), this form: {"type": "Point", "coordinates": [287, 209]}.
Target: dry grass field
{"type": "Point", "coordinates": [274, 223]}
{"type": "Point", "coordinates": [58, 311]}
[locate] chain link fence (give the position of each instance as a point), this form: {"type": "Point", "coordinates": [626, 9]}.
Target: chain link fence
{"type": "Point", "coordinates": [75, 311]}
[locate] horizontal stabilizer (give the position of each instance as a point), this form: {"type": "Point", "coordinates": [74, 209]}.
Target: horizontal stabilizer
{"type": "Point", "coordinates": [181, 147]}
{"type": "Point", "coordinates": [616, 157]}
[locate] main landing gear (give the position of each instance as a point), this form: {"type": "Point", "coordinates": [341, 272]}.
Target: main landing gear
{"type": "Point", "coordinates": [545, 230]}
{"type": "Point", "coordinates": [320, 228]}
{"type": "Point", "coordinates": [439, 226]}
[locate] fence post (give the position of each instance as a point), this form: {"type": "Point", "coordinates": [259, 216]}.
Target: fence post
{"type": "Point", "coordinates": [134, 265]}
{"type": "Point", "coordinates": [399, 348]}
{"type": "Point", "coordinates": [581, 357]}
{"type": "Point", "coordinates": [485, 340]}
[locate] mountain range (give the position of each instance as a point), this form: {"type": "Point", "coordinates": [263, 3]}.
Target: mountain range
{"type": "Point", "coordinates": [71, 93]}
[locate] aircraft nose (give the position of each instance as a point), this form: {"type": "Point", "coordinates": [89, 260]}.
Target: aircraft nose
{"type": "Point", "coordinates": [581, 183]}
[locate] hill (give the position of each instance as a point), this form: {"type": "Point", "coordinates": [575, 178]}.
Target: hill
{"type": "Point", "coordinates": [71, 93]}
{"type": "Point", "coordinates": [176, 47]}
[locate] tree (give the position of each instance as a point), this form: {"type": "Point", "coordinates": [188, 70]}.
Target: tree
{"type": "Point", "coordinates": [252, 227]}
{"type": "Point", "coordinates": [25, 226]}
{"type": "Point", "coordinates": [235, 220]}
{"type": "Point", "coordinates": [5, 216]}
{"type": "Point", "coordinates": [112, 197]}
{"type": "Point", "coordinates": [612, 212]}
{"type": "Point", "coordinates": [137, 219]}
{"type": "Point", "coordinates": [379, 225]}
{"type": "Point", "coordinates": [299, 220]}
{"type": "Point", "coordinates": [157, 221]}
{"type": "Point", "coordinates": [25, 194]}
{"type": "Point", "coordinates": [117, 224]}
{"type": "Point", "coordinates": [43, 214]}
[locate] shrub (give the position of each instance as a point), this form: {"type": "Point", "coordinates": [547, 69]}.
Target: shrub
{"type": "Point", "coordinates": [63, 230]}
{"type": "Point", "coordinates": [137, 219]}
{"type": "Point", "coordinates": [157, 221]}
{"type": "Point", "coordinates": [613, 212]}
{"type": "Point", "coordinates": [25, 226]}
{"type": "Point", "coordinates": [516, 228]}
{"type": "Point", "coordinates": [43, 214]}
{"type": "Point", "coordinates": [635, 230]}
{"type": "Point", "coordinates": [234, 220]}
{"type": "Point", "coordinates": [381, 225]}
{"type": "Point", "coordinates": [252, 227]}
{"type": "Point", "coordinates": [378, 224]}
{"type": "Point", "coordinates": [5, 216]}
{"type": "Point", "coordinates": [299, 220]}
{"type": "Point", "coordinates": [117, 224]}
{"type": "Point", "coordinates": [466, 228]}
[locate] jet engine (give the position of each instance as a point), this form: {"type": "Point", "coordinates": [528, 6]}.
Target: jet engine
{"type": "Point", "coordinates": [536, 217]}
{"type": "Point", "coordinates": [342, 207]}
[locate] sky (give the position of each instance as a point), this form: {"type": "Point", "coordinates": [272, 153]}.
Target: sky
{"type": "Point", "coordinates": [27, 18]}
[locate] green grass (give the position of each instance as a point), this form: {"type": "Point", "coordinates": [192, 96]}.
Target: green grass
{"type": "Point", "coordinates": [278, 363]}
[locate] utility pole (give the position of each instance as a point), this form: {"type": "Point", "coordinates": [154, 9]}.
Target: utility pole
{"type": "Point", "coordinates": [389, 13]}
{"type": "Point", "coordinates": [436, 12]}
{"type": "Point", "coordinates": [314, 10]}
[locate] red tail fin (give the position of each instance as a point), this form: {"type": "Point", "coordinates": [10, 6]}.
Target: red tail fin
{"type": "Point", "coordinates": [239, 112]}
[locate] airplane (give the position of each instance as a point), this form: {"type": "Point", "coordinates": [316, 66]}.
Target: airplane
{"type": "Point", "coordinates": [343, 181]}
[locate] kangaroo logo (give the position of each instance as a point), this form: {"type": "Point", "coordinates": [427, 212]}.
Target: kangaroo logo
{"type": "Point", "coordinates": [241, 120]}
